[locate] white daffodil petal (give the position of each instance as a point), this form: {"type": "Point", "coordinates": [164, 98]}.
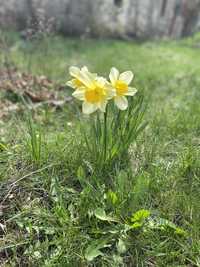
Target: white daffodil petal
{"type": "Point", "coordinates": [89, 108]}
{"type": "Point", "coordinates": [84, 68]}
{"type": "Point", "coordinates": [70, 84]}
{"type": "Point", "coordinates": [121, 102]}
{"type": "Point", "coordinates": [131, 91]}
{"type": "Point", "coordinates": [86, 78]}
{"type": "Point", "coordinates": [114, 75]}
{"type": "Point", "coordinates": [82, 75]}
{"type": "Point", "coordinates": [79, 94]}
{"type": "Point", "coordinates": [101, 81]}
{"type": "Point", "coordinates": [126, 77]}
{"type": "Point", "coordinates": [102, 106]}
{"type": "Point", "coordinates": [92, 75]}
{"type": "Point", "coordinates": [74, 71]}
{"type": "Point", "coordinates": [111, 92]}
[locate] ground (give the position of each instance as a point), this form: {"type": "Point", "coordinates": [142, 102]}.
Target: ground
{"type": "Point", "coordinates": [53, 212]}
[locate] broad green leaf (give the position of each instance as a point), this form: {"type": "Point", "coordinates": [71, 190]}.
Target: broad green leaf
{"type": "Point", "coordinates": [101, 215]}
{"type": "Point", "coordinates": [93, 250]}
{"type": "Point", "coordinates": [112, 196]}
{"type": "Point", "coordinates": [140, 215]}
{"type": "Point", "coordinates": [2, 147]}
{"type": "Point", "coordinates": [80, 173]}
{"type": "Point", "coordinates": [164, 224]}
{"type": "Point", "coordinates": [91, 253]}
{"type": "Point", "coordinates": [122, 181]}
{"type": "Point", "coordinates": [160, 223]}
{"type": "Point", "coordinates": [136, 225]}
{"type": "Point", "coordinates": [81, 176]}
{"type": "Point", "coordinates": [180, 231]}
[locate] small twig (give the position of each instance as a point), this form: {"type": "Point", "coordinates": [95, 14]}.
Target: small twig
{"type": "Point", "coordinates": [22, 178]}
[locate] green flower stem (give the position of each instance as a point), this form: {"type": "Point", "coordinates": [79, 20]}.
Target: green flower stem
{"type": "Point", "coordinates": [105, 134]}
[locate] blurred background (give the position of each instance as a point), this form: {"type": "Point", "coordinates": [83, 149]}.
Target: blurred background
{"type": "Point", "coordinates": [40, 39]}
{"type": "Point", "coordinates": [158, 40]}
{"type": "Point", "coordinates": [110, 18]}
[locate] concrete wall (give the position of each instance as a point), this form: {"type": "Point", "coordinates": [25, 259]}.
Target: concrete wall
{"type": "Point", "coordinates": [113, 18]}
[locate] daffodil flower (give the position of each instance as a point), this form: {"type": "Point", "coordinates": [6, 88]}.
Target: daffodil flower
{"type": "Point", "coordinates": [121, 84]}
{"type": "Point", "coordinates": [78, 77]}
{"type": "Point", "coordinates": [95, 93]}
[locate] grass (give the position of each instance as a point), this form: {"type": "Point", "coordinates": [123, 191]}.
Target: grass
{"type": "Point", "coordinates": [54, 213]}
